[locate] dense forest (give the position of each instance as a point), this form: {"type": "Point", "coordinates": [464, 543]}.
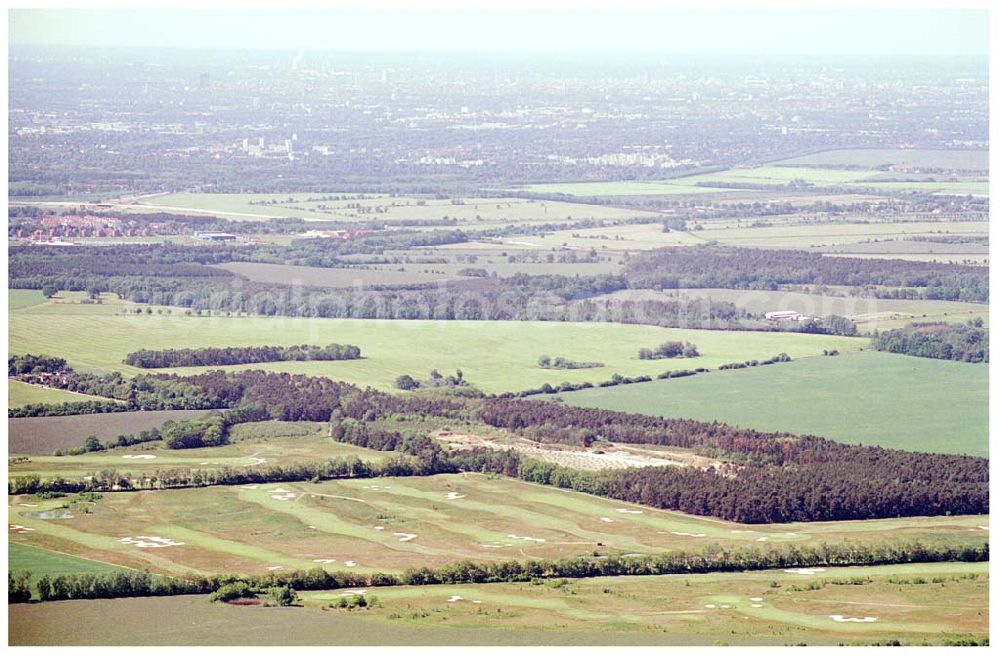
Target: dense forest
{"type": "Point", "coordinates": [764, 269]}
{"type": "Point", "coordinates": [147, 358]}
{"type": "Point", "coordinates": [969, 342]}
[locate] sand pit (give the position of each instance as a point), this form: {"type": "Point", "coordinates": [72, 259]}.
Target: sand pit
{"type": "Point", "coordinates": [138, 456]}
{"type": "Point", "coordinates": [455, 598]}
{"type": "Point", "coordinates": [804, 571]}
{"type": "Point", "coordinates": [20, 529]}
{"type": "Point", "coordinates": [477, 602]}
{"type": "Point", "coordinates": [709, 606]}
{"type": "Point", "coordinates": [324, 560]}
{"type": "Point", "coordinates": [762, 539]}
{"type": "Point", "coordinates": [985, 529]}
{"type": "Point", "coordinates": [272, 568]}
{"type": "Point", "coordinates": [628, 511]}
{"type": "Point", "coordinates": [29, 505]}
{"type": "Point", "coordinates": [525, 538]}
{"type": "Point", "coordinates": [742, 531]}
{"type": "Point", "coordinates": [606, 519]}
{"type": "Point", "coordinates": [311, 526]}
{"type": "Point", "coordinates": [683, 534]}
{"type": "Point", "coordinates": [756, 599]}
{"type": "Point", "coordinates": [404, 537]}
{"type": "Point", "coordinates": [284, 497]}
{"type": "Point", "coordinates": [149, 541]}
{"type": "Point", "coordinates": [846, 619]}
{"type": "Point", "coordinates": [350, 564]}
{"type": "Point", "coordinates": [455, 496]}
{"type": "Point", "coordinates": [496, 545]}
{"type": "Point", "coordinates": [379, 527]}
{"type": "Point", "coordinates": [353, 592]}
{"type": "Point", "coordinates": [756, 605]}
{"type": "Point", "coordinates": [280, 490]}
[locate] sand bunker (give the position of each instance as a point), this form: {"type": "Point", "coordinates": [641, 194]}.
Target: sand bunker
{"type": "Point", "coordinates": [683, 534]}
{"type": "Point", "coordinates": [455, 496]}
{"type": "Point", "coordinates": [138, 456]}
{"type": "Point", "coordinates": [149, 541]}
{"type": "Point", "coordinates": [762, 539]}
{"type": "Point", "coordinates": [275, 567]}
{"type": "Point", "coordinates": [29, 505]}
{"type": "Point", "coordinates": [20, 529]}
{"type": "Point", "coordinates": [404, 537]}
{"type": "Point", "coordinates": [845, 619]}
{"type": "Point", "coordinates": [606, 520]}
{"type": "Point", "coordinates": [756, 599]}
{"type": "Point", "coordinates": [804, 571]}
{"type": "Point", "coordinates": [756, 605]}
{"type": "Point", "coordinates": [455, 598]}
{"type": "Point", "coordinates": [324, 560]}
{"type": "Point", "coordinates": [379, 527]}
{"type": "Point", "coordinates": [985, 529]}
{"type": "Point", "coordinates": [496, 545]}
{"type": "Point", "coordinates": [284, 497]}
{"type": "Point", "coordinates": [526, 538]}
{"type": "Point", "coordinates": [344, 594]}
{"type": "Point", "coordinates": [742, 531]}
{"type": "Point", "coordinates": [627, 511]}
{"type": "Point", "coordinates": [280, 490]}
{"type": "Point", "coordinates": [709, 606]}
{"type": "Point", "coordinates": [350, 564]}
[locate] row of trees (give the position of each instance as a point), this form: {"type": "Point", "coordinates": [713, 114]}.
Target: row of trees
{"type": "Point", "coordinates": [560, 363]}
{"type": "Point", "coordinates": [969, 342]}
{"type": "Point", "coordinates": [766, 269]}
{"type": "Point", "coordinates": [711, 559]}
{"type": "Point", "coordinates": [206, 356]}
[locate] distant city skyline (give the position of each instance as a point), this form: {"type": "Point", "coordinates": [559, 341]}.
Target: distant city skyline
{"type": "Point", "coordinates": [920, 32]}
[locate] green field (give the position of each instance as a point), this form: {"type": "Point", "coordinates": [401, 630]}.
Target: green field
{"type": "Point", "coordinates": [392, 523]}
{"type": "Point", "coordinates": [777, 232]}
{"type": "Point", "coordinates": [874, 158]}
{"type": "Point", "coordinates": [255, 444]}
{"type": "Point", "coordinates": [871, 398]}
{"type": "Point", "coordinates": [768, 607]}
{"type": "Point", "coordinates": [23, 298]}
{"type": "Point", "coordinates": [868, 312]}
{"type": "Point", "coordinates": [475, 211]}
{"type": "Point", "coordinates": [494, 356]}
{"type": "Point", "coordinates": [782, 175]}
{"type": "Point", "coordinates": [672, 187]}
{"type": "Point", "coordinates": [22, 394]}
{"type": "Point", "coordinates": [41, 562]}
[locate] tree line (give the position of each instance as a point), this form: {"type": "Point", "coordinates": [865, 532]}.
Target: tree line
{"type": "Point", "coordinates": [132, 584]}
{"type": "Point", "coordinates": [205, 356]}
{"type": "Point", "coordinates": [767, 269]}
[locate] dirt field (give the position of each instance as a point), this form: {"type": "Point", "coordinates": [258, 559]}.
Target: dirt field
{"type": "Point", "coordinates": [44, 435]}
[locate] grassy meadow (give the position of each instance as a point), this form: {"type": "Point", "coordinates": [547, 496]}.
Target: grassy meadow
{"type": "Point", "coordinates": [393, 523]}
{"type": "Point", "coordinates": [474, 211]}
{"type": "Point", "coordinates": [494, 356]}
{"type": "Point", "coordinates": [926, 603]}
{"type": "Point", "coordinates": [22, 394]}
{"type": "Point", "coordinates": [871, 398]}
{"type": "Point", "coordinates": [255, 444]}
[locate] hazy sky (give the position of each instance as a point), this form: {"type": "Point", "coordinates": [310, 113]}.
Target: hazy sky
{"type": "Point", "coordinates": [809, 32]}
